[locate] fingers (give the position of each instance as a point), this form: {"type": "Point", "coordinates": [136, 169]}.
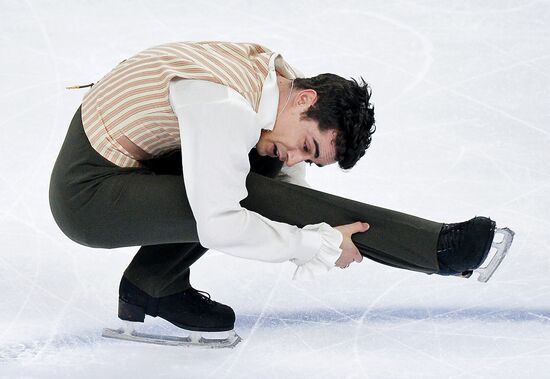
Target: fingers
{"type": "Point", "coordinates": [342, 262]}
{"type": "Point", "coordinates": [351, 253]}
{"type": "Point", "coordinates": [345, 261]}
{"type": "Point", "coordinates": [352, 228]}
{"type": "Point", "coordinates": [359, 227]}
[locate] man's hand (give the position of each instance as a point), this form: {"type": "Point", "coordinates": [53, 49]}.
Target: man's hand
{"type": "Point", "coordinates": [350, 253]}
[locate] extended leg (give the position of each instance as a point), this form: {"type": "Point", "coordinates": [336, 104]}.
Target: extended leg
{"type": "Point", "coordinates": [394, 238]}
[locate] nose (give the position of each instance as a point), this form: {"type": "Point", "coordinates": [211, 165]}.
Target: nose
{"type": "Point", "coordinates": [293, 157]}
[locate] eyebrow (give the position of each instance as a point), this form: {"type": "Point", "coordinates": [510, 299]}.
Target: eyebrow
{"type": "Point", "coordinates": [317, 152]}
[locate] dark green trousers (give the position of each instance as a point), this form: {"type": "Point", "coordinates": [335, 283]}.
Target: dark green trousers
{"type": "Point", "coordinates": [98, 204]}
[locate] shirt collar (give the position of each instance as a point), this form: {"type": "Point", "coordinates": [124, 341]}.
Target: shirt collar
{"type": "Point", "coordinates": [269, 101]}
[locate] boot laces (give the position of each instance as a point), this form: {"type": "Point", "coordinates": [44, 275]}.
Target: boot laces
{"type": "Point", "coordinates": [451, 237]}
{"type": "Point", "coordinates": [203, 296]}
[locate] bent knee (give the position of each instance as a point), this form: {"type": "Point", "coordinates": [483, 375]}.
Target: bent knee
{"type": "Point", "coordinates": [79, 228]}
{"type": "Point", "coordinates": [83, 233]}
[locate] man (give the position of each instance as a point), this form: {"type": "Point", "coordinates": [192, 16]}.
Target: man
{"type": "Point", "coordinates": [190, 146]}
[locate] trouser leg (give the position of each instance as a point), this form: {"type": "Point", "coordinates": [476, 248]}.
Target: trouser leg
{"type": "Point", "coordinates": [394, 238]}
{"type": "Point", "coordinates": [92, 199]}
{"type": "Point", "coordinates": [162, 270]}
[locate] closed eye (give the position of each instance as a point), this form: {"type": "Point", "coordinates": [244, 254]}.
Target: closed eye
{"type": "Point", "coordinates": [316, 164]}
{"type": "Point", "coordinates": [306, 149]}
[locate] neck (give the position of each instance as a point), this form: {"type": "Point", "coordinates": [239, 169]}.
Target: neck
{"type": "Point", "coordinates": [285, 92]}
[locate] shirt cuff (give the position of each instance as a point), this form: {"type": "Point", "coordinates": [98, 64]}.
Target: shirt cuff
{"type": "Point", "coordinates": [331, 239]}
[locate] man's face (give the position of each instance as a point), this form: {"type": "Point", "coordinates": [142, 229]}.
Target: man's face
{"type": "Point", "coordinates": [295, 140]}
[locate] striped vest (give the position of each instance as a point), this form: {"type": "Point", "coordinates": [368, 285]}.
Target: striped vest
{"type": "Point", "coordinates": [127, 114]}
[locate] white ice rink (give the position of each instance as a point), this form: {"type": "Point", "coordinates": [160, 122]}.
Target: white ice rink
{"type": "Point", "coordinates": [461, 92]}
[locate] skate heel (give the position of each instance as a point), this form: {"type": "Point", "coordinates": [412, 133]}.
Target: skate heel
{"type": "Point", "coordinates": [130, 312]}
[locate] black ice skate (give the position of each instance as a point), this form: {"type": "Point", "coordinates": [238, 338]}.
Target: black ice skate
{"type": "Point", "coordinates": [473, 246]}
{"type": "Point", "coordinates": [207, 323]}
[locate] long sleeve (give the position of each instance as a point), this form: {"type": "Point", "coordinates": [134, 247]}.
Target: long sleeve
{"type": "Point", "coordinates": [217, 130]}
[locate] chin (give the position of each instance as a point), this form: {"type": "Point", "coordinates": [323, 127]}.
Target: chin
{"type": "Point", "coordinates": [260, 148]}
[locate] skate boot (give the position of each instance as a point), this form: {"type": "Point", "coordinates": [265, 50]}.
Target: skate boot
{"type": "Point", "coordinates": [472, 246]}
{"type": "Point", "coordinates": [207, 322]}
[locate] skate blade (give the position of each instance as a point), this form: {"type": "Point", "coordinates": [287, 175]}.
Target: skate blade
{"type": "Point", "coordinates": [499, 248]}
{"type": "Point", "coordinates": [215, 340]}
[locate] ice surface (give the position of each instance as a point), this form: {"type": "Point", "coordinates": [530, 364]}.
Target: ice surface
{"type": "Point", "coordinates": [462, 108]}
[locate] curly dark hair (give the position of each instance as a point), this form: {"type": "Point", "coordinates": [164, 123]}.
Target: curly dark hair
{"type": "Point", "coordinates": [342, 105]}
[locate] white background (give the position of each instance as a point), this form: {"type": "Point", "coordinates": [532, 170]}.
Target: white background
{"type": "Point", "coordinates": [462, 108]}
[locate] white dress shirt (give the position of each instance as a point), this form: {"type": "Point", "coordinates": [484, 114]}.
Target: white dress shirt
{"type": "Point", "coordinates": [218, 128]}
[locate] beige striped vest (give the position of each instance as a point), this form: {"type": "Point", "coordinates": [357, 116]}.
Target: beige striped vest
{"type": "Point", "coordinates": [127, 114]}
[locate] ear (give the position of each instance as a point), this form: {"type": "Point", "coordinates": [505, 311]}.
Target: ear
{"type": "Point", "coordinates": [306, 98]}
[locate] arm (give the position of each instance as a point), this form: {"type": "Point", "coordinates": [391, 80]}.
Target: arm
{"type": "Point", "coordinates": [217, 131]}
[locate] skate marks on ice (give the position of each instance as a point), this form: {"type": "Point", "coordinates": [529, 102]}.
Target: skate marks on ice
{"type": "Point", "coordinates": [304, 340]}
{"type": "Point", "coordinates": [396, 315]}
{"type": "Point", "coordinates": [27, 350]}
{"type": "Point", "coordinates": [92, 339]}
